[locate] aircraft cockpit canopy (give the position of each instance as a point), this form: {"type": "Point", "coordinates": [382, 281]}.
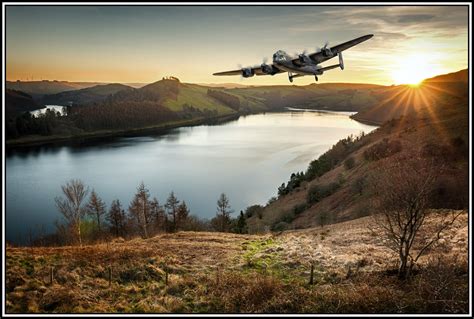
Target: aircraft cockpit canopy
{"type": "Point", "coordinates": [279, 56]}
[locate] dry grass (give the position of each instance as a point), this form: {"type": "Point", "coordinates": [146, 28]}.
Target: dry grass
{"type": "Point", "coordinates": [221, 273]}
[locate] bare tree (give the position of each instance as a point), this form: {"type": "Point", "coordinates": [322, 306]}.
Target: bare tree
{"type": "Point", "coordinates": [140, 208]}
{"type": "Point", "coordinates": [402, 194]}
{"type": "Point", "coordinates": [96, 208]}
{"type": "Point", "coordinates": [71, 206]}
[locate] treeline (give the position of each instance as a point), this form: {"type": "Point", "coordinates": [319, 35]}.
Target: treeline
{"type": "Point", "coordinates": [326, 162]}
{"type": "Point", "coordinates": [47, 123]}
{"type": "Point", "coordinates": [121, 115]}
{"type": "Point", "coordinates": [230, 100]}
{"type": "Point", "coordinates": [88, 220]}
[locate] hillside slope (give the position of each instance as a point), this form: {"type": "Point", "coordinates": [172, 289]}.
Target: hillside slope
{"type": "Point", "coordinates": [230, 273]}
{"type": "Point", "coordinates": [17, 102]}
{"type": "Point", "coordinates": [39, 88]}
{"type": "Point", "coordinates": [437, 133]}
{"type": "Point", "coordinates": [84, 96]}
{"type": "Point", "coordinates": [393, 102]}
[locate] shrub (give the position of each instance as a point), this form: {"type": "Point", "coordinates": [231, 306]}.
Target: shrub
{"type": "Point", "coordinates": [359, 185]}
{"type": "Point", "coordinates": [279, 226]}
{"type": "Point", "coordinates": [253, 210]}
{"type": "Point", "coordinates": [318, 192]}
{"type": "Point", "coordinates": [349, 163]}
{"type": "Point", "coordinates": [382, 149]}
{"type": "Point", "coordinates": [299, 208]}
{"type": "Point", "coordinates": [271, 200]}
{"type": "Point", "coordinates": [288, 217]}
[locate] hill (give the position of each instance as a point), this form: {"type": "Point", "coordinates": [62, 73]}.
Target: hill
{"type": "Point", "coordinates": [18, 102]}
{"type": "Point", "coordinates": [393, 102]}
{"type": "Point", "coordinates": [336, 187]}
{"type": "Point", "coordinates": [39, 88]}
{"type": "Point", "coordinates": [117, 109]}
{"type": "Point", "coordinates": [201, 272]}
{"type": "Point", "coordinates": [85, 96]}
{"type": "Point", "coordinates": [459, 76]}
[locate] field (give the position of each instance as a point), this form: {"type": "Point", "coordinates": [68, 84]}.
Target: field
{"type": "Point", "coordinates": [201, 272]}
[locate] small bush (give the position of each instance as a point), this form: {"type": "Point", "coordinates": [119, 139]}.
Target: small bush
{"type": "Point", "coordinates": [288, 217]}
{"type": "Point", "coordinates": [318, 192]}
{"type": "Point", "coordinates": [279, 226]}
{"type": "Point", "coordinates": [299, 208]}
{"type": "Point", "coordinates": [382, 149]}
{"type": "Point", "coordinates": [359, 185]}
{"type": "Point", "coordinates": [349, 163]}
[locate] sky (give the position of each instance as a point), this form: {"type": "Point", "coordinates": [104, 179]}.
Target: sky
{"type": "Point", "coordinates": [130, 44]}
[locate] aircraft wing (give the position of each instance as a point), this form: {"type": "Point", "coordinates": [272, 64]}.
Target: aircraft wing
{"type": "Point", "coordinates": [319, 57]}
{"type": "Point", "coordinates": [235, 72]}
{"type": "Point", "coordinates": [255, 70]}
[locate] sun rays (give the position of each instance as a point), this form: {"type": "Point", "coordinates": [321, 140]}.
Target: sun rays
{"type": "Point", "coordinates": [414, 68]}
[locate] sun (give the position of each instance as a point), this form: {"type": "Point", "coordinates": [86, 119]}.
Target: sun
{"type": "Point", "coordinates": [413, 69]}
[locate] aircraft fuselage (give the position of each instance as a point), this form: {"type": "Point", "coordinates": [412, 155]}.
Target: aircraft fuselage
{"type": "Point", "coordinates": [284, 62]}
{"type": "Point", "coordinates": [312, 69]}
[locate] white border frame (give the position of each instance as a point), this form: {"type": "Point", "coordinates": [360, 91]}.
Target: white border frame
{"type": "Point", "coordinates": [4, 4]}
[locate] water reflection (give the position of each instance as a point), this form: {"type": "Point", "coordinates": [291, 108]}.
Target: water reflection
{"type": "Point", "coordinates": [247, 159]}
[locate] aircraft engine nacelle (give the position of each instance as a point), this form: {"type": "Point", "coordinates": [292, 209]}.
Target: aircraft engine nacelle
{"type": "Point", "coordinates": [267, 69]}
{"type": "Point", "coordinates": [327, 52]}
{"type": "Point", "coordinates": [304, 59]}
{"type": "Point", "coordinates": [247, 72]}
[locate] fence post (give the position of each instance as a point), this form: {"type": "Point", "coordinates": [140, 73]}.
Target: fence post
{"type": "Point", "coordinates": [110, 276]}
{"type": "Point", "coordinates": [311, 276]}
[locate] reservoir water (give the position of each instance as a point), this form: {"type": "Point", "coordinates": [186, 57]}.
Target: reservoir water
{"type": "Point", "coordinates": [247, 159]}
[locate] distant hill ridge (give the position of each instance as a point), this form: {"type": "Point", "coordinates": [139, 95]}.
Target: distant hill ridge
{"type": "Point", "coordinates": [84, 96]}
{"type": "Point", "coordinates": [19, 102]}
{"type": "Point", "coordinates": [459, 76]}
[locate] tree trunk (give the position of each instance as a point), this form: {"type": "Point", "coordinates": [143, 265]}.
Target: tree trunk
{"type": "Point", "coordinates": [98, 222]}
{"type": "Point", "coordinates": [79, 233]}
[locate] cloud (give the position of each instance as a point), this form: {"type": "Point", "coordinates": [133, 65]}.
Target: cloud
{"type": "Point", "coordinates": [413, 18]}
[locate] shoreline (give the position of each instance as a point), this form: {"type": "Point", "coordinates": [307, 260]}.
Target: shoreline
{"type": "Point", "coordinates": [38, 140]}
{"type": "Point", "coordinates": [156, 129]}
{"type": "Point", "coordinates": [365, 121]}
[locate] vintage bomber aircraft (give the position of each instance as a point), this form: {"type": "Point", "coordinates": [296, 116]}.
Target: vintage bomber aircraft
{"type": "Point", "coordinates": [302, 65]}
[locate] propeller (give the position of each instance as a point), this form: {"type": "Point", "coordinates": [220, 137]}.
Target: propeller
{"type": "Point", "coordinates": [318, 49]}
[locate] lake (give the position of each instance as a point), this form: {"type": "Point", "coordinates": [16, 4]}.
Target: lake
{"type": "Point", "coordinates": [247, 159]}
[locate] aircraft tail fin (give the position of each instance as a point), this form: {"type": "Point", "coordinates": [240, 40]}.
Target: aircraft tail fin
{"type": "Point", "coordinates": [341, 62]}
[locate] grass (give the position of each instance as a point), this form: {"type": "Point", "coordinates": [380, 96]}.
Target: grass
{"type": "Point", "coordinates": [220, 273]}
{"type": "Point", "coordinates": [197, 97]}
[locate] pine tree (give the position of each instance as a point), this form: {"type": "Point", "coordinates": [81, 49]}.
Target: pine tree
{"type": "Point", "coordinates": [117, 218]}
{"type": "Point", "coordinates": [182, 215]}
{"type": "Point", "coordinates": [172, 208]}
{"type": "Point", "coordinates": [158, 215]}
{"type": "Point", "coordinates": [222, 221]}
{"type": "Point", "coordinates": [241, 224]}
{"type": "Point", "coordinates": [96, 208]}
